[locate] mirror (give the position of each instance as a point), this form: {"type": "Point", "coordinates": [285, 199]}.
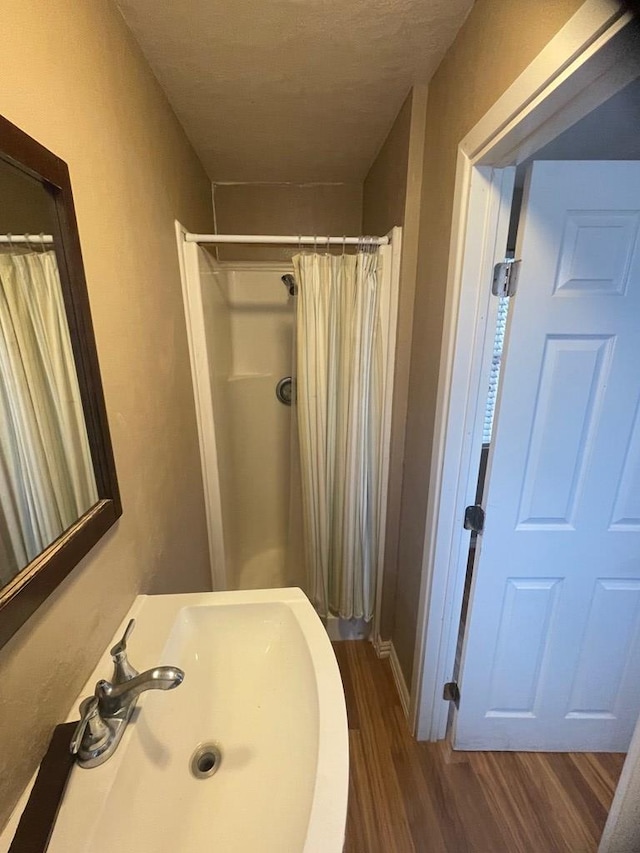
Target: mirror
{"type": "Point", "coordinates": [58, 488]}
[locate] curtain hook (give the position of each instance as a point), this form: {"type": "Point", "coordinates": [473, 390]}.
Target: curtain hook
{"type": "Point", "coordinates": [344, 244]}
{"type": "Point", "coordinates": [328, 244]}
{"type": "Point", "coordinates": [31, 243]}
{"type": "Point", "coordinates": [315, 244]}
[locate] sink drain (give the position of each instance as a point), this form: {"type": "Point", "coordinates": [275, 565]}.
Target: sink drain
{"type": "Point", "coordinates": [206, 760]}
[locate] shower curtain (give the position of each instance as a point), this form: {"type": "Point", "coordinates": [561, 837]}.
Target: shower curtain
{"type": "Point", "coordinates": [339, 412]}
{"type": "Point", "coordinates": [46, 473]}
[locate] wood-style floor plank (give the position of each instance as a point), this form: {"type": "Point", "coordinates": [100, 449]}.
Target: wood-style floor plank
{"type": "Point", "coordinates": [409, 797]}
{"type": "Point", "coordinates": [386, 827]}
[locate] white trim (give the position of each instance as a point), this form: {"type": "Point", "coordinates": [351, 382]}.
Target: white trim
{"type": "Point", "coordinates": [577, 71]}
{"type": "Point", "coordinates": [196, 336]}
{"type": "Point", "coordinates": [398, 677]}
{"type": "Point", "coordinates": [489, 205]}
{"type": "Point", "coordinates": [391, 257]}
{"type": "Point", "coordinates": [381, 647]}
{"type": "Point", "coordinates": [569, 64]}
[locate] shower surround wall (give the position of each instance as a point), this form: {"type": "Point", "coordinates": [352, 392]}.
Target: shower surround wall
{"type": "Point", "coordinates": [248, 317]}
{"type": "Point", "coordinates": [240, 318]}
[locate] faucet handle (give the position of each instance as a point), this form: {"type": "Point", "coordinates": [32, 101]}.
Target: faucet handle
{"type": "Point", "coordinates": [90, 718]}
{"type": "Point", "coordinates": [122, 669]}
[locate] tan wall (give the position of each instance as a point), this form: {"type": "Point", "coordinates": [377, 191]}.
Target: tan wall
{"type": "Point", "coordinates": [392, 195]}
{"type": "Point", "coordinates": [73, 78]}
{"type": "Point", "coordinates": [385, 187]}
{"type": "Point", "coordinates": [322, 209]}
{"type": "Point", "coordinates": [497, 41]}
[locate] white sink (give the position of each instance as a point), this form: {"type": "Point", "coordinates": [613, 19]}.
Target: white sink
{"type": "Point", "coordinates": [262, 684]}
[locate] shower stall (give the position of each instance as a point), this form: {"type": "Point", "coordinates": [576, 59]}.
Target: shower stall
{"type": "Point", "coordinates": [241, 322]}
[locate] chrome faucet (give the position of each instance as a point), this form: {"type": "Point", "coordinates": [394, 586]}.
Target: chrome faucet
{"type": "Point", "coordinates": [104, 716]}
{"type": "Point", "coordinates": [115, 699]}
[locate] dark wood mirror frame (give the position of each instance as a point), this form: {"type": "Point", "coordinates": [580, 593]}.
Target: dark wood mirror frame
{"type": "Point", "coordinates": [21, 597]}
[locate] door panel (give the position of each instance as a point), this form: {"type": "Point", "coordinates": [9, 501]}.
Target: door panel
{"type": "Point", "coordinates": [565, 411]}
{"type": "Point", "coordinates": [552, 652]}
{"type": "Point", "coordinates": [523, 637]}
{"type": "Point", "coordinates": [612, 625]}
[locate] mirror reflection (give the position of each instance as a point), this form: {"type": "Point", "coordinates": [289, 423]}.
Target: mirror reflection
{"type": "Point", "coordinates": [47, 479]}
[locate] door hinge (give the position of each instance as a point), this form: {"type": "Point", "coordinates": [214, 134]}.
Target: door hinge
{"type": "Point", "coordinates": [474, 518]}
{"type": "Point", "coordinates": [505, 277]}
{"type": "Point", "coordinates": [451, 693]}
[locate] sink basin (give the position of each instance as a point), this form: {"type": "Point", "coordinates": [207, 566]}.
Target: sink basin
{"type": "Point", "coordinates": [262, 695]}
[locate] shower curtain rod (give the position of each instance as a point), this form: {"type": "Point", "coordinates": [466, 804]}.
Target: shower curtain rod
{"type": "Point", "coordinates": [291, 240]}
{"type": "Point", "coordinates": [26, 238]}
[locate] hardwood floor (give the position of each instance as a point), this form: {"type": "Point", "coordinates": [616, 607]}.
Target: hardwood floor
{"type": "Point", "coordinates": [406, 796]}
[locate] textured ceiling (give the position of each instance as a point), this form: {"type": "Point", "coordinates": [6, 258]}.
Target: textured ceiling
{"type": "Point", "coordinates": [291, 90]}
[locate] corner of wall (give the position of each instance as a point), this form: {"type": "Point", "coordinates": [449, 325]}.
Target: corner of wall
{"type": "Point", "coordinates": [413, 157]}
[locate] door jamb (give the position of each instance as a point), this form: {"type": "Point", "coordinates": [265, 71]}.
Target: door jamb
{"type": "Point", "coordinates": [587, 62]}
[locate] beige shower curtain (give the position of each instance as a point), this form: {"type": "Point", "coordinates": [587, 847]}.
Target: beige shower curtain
{"type": "Point", "coordinates": [339, 410]}
{"type": "Point", "coordinates": [46, 473]}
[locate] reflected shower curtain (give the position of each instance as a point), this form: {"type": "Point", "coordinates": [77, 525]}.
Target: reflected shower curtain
{"type": "Point", "coordinates": [46, 473]}
{"type": "Point", "coordinates": [339, 410]}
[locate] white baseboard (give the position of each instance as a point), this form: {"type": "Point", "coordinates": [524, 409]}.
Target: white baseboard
{"type": "Point", "coordinates": [381, 647]}
{"type": "Point", "coordinates": [398, 677]}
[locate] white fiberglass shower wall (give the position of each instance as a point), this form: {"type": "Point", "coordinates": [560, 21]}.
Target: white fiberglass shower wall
{"type": "Point", "coordinates": [248, 321]}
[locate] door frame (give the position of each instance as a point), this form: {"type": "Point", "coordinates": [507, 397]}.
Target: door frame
{"type": "Point", "coordinates": [587, 62]}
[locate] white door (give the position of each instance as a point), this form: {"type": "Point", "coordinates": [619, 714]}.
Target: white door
{"type": "Point", "coordinates": [552, 650]}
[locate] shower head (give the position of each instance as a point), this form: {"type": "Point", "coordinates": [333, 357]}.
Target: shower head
{"type": "Point", "coordinates": [290, 283]}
